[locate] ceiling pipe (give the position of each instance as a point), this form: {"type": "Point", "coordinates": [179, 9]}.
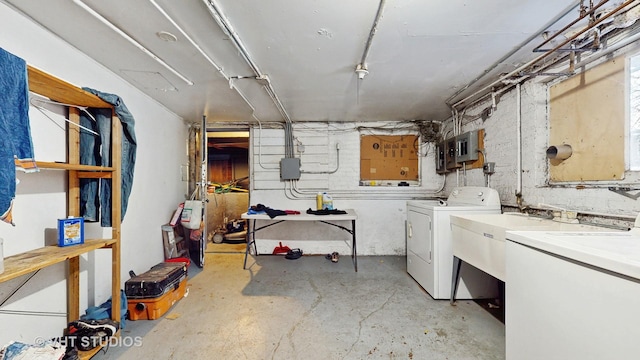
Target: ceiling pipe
{"type": "Point", "coordinates": [226, 26]}
{"type": "Point", "coordinates": [206, 56]}
{"type": "Point", "coordinates": [186, 36]}
{"type": "Point", "coordinates": [633, 37]}
{"type": "Point", "coordinates": [361, 68]}
{"type": "Point", "coordinates": [583, 14]}
{"type": "Point", "coordinates": [543, 56]}
{"type": "Point", "coordinates": [513, 51]}
{"type": "Point", "coordinates": [131, 40]}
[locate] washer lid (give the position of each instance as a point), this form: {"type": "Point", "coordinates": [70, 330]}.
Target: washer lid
{"type": "Point", "coordinates": [474, 195]}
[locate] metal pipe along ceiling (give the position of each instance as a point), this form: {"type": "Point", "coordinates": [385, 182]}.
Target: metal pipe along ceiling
{"type": "Point", "coordinates": [543, 56]}
{"type": "Point", "coordinates": [513, 51]}
{"type": "Point", "coordinates": [226, 26]}
{"type": "Point", "coordinates": [374, 28]}
{"type": "Point", "coordinates": [131, 40]}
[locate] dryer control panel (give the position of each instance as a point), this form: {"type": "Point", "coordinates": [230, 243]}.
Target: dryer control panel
{"type": "Point", "coordinates": [474, 195]}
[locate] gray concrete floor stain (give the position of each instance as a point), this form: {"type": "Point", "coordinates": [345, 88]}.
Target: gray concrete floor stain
{"type": "Point", "coordinates": [311, 308]}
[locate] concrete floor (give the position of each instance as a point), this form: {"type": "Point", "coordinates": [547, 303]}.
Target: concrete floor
{"type": "Point", "coordinates": [311, 308]}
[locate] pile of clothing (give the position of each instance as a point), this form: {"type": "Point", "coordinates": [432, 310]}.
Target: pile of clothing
{"type": "Point", "coordinates": [81, 335]}
{"type": "Point", "coordinates": [261, 209]}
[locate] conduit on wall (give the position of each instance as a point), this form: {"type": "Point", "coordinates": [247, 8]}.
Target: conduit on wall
{"type": "Point", "coordinates": [227, 28]}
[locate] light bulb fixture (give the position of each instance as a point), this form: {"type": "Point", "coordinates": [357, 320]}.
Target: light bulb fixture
{"type": "Point", "coordinates": [362, 71]}
{"type": "Point", "coordinates": [166, 36]}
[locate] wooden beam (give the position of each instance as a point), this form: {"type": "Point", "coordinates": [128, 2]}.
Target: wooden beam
{"type": "Point", "coordinates": [73, 289]}
{"type": "Point", "coordinates": [116, 213]}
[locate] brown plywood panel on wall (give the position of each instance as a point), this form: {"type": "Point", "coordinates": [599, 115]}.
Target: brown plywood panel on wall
{"type": "Point", "coordinates": [389, 157]}
{"type": "Point", "coordinates": [587, 112]}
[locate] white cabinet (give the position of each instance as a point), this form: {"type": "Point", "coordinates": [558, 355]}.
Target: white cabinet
{"type": "Point", "coordinates": [568, 306]}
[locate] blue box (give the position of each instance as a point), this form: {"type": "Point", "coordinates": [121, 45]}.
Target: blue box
{"type": "Point", "coordinates": [70, 231]}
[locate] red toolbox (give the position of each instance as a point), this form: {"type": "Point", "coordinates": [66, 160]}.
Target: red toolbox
{"type": "Point", "coordinates": [151, 295]}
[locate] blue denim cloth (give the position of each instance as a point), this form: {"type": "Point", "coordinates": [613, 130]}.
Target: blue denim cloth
{"type": "Point", "coordinates": [96, 151]}
{"type": "Point", "coordinates": [15, 131]}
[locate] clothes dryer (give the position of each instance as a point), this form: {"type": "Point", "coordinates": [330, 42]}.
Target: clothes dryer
{"type": "Point", "coordinates": [429, 244]}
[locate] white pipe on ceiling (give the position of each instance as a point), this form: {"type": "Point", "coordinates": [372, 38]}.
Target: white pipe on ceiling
{"type": "Point", "coordinates": [225, 25]}
{"type": "Point", "coordinates": [131, 40]}
{"type": "Point", "coordinates": [372, 32]}
{"type": "Point", "coordinates": [206, 56]}
{"type": "Point", "coordinates": [543, 56]}
{"type": "Point", "coordinates": [514, 50]}
{"type": "Point", "coordinates": [186, 36]}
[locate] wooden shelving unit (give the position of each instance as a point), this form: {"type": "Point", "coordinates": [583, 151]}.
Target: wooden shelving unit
{"type": "Point", "coordinates": [30, 261]}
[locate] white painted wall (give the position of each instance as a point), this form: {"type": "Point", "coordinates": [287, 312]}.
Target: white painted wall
{"type": "Point", "coordinates": [381, 209]}
{"type": "Point", "coordinates": [501, 148]}
{"type": "Point", "coordinates": [41, 198]}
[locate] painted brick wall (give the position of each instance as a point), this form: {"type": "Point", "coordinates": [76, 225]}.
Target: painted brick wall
{"type": "Point", "coordinates": [381, 210]}
{"type": "Point", "coordinates": [501, 148]}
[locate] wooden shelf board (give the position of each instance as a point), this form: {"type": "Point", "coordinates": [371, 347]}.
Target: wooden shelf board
{"type": "Point", "coordinates": [65, 166]}
{"type": "Point", "coordinates": [61, 91]}
{"type": "Point", "coordinates": [30, 261]}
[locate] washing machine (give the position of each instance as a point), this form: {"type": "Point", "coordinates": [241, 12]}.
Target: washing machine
{"type": "Point", "coordinates": [429, 248]}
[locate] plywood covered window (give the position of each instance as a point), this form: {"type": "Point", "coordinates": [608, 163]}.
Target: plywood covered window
{"type": "Point", "coordinates": [587, 112]}
{"type": "Point", "coordinates": [389, 159]}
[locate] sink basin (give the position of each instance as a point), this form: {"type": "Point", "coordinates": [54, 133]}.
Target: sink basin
{"type": "Point", "coordinates": [479, 240]}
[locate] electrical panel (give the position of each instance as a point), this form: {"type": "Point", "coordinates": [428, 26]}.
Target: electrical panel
{"type": "Point", "coordinates": [441, 166]}
{"type": "Point", "coordinates": [451, 156]}
{"type": "Point", "coordinates": [467, 146]}
{"type": "Point", "coordinates": [289, 169]}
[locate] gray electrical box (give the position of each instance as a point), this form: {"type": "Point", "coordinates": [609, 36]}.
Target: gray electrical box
{"type": "Point", "coordinates": [467, 146]}
{"type": "Point", "coordinates": [441, 166]}
{"type": "Point", "coordinates": [450, 154]}
{"type": "Point", "coordinates": [290, 169]}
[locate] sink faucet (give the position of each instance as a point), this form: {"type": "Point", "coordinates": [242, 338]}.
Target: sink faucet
{"type": "Point", "coordinates": [561, 214]}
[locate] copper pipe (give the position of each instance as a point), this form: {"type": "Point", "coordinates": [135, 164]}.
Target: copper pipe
{"type": "Point", "coordinates": [534, 61]}
{"type": "Point", "coordinates": [582, 16]}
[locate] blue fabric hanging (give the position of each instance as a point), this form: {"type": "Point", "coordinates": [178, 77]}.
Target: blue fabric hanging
{"type": "Point", "coordinates": [16, 147]}
{"type": "Point", "coordinates": [104, 310]}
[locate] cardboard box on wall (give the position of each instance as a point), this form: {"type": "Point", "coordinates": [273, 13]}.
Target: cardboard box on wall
{"type": "Point", "coordinates": [389, 157]}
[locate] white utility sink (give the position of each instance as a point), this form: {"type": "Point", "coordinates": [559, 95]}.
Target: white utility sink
{"type": "Point", "coordinates": [479, 240]}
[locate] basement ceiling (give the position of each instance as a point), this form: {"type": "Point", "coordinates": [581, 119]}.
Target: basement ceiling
{"type": "Point", "coordinates": [421, 54]}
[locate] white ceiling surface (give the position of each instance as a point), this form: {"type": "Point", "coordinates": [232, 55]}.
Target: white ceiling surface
{"type": "Point", "coordinates": [422, 52]}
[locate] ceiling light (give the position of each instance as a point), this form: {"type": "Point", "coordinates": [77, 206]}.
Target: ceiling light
{"type": "Point", "coordinates": [131, 40]}
{"type": "Point", "coordinates": [166, 15]}
{"type": "Point", "coordinates": [166, 36]}
{"type": "Point", "coordinates": [362, 71]}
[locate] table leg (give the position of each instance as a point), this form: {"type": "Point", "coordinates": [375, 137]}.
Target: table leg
{"type": "Point", "coordinates": [251, 238]}
{"type": "Point", "coordinates": [354, 255]}
{"type": "Point", "coordinates": [455, 279]}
